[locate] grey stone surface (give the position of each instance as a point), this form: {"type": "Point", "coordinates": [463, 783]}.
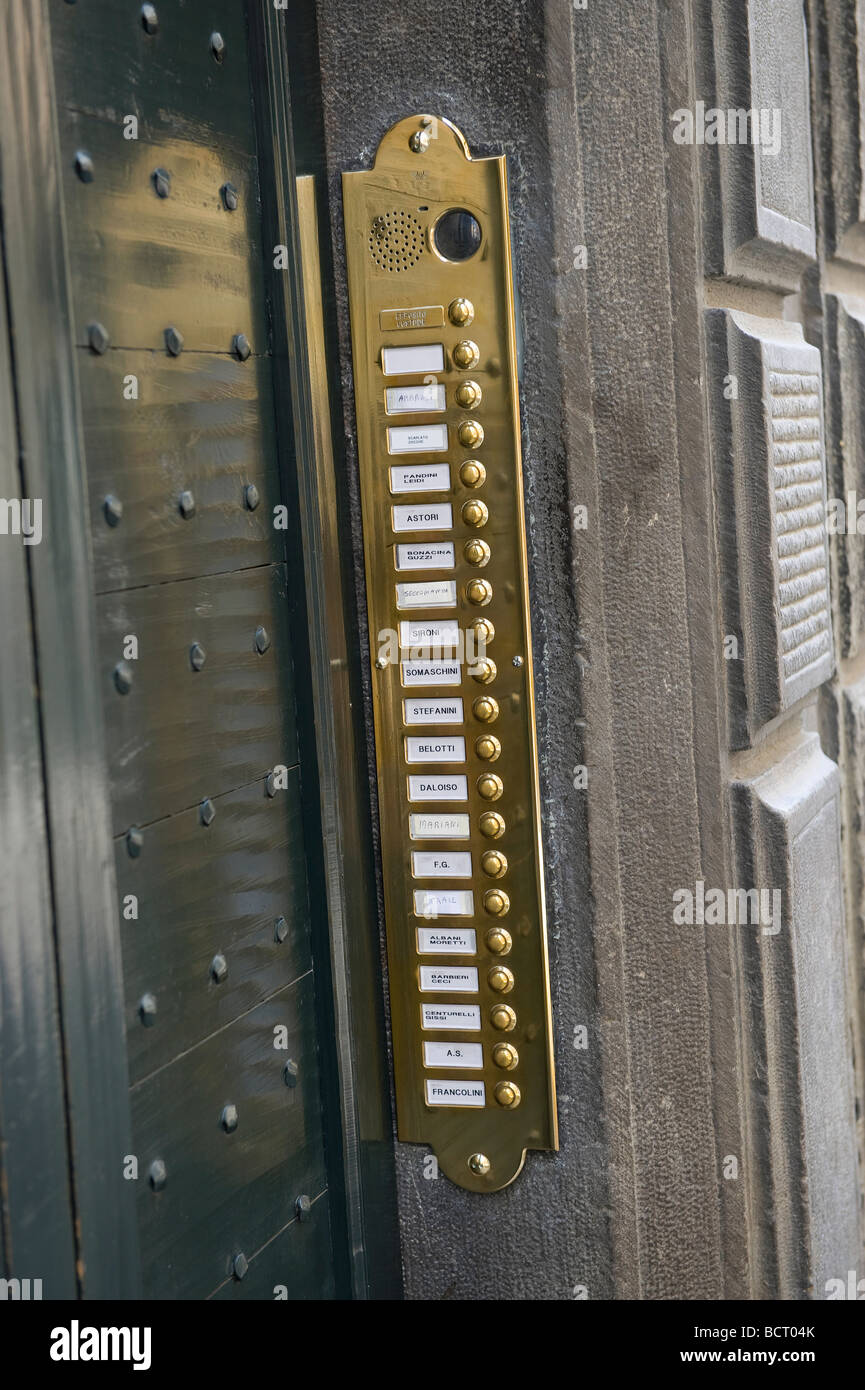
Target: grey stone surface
{"type": "Point", "coordinates": [758, 207]}
{"type": "Point", "coordinates": [844, 356]}
{"type": "Point", "coordinates": [380, 63]}
{"type": "Point", "coordinates": [838, 30]}
{"type": "Point", "coordinates": [612, 418]}
{"type": "Point", "coordinates": [628, 619]}
{"type": "Point", "coordinates": [765, 396]}
{"type": "Point", "coordinates": [801, 1164]}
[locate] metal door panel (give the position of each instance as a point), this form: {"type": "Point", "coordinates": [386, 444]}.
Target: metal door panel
{"type": "Point", "coordinates": [227, 1192]}
{"type": "Point", "coordinates": [294, 1265]}
{"type": "Point", "coordinates": [146, 263]}
{"type": "Point", "coordinates": [105, 62]}
{"type": "Point", "coordinates": [204, 891]}
{"type": "Point", "coordinates": [197, 425]}
{"type": "Point", "coordinates": [181, 735]}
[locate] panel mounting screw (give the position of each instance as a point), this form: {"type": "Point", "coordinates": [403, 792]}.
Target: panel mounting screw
{"type": "Point", "coordinates": [113, 509]}
{"type": "Point", "coordinates": [229, 197]}
{"type": "Point", "coordinates": [240, 346]}
{"type": "Point", "coordinates": [207, 811]}
{"type": "Point", "coordinates": [97, 337]}
{"type": "Point", "coordinates": [290, 1073]}
{"type": "Point", "coordinates": [518, 661]}
{"type": "Point", "coordinates": [197, 656]}
{"type": "Point", "coordinates": [419, 139]}
{"type": "Point", "coordinates": [217, 46]}
{"type": "Point", "coordinates": [303, 1206]}
{"type": "Point", "coordinates": [161, 180]}
{"type": "Point", "coordinates": [239, 1266]}
{"type": "Point", "coordinates": [186, 503]}
{"type": "Point", "coordinates": [149, 19]}
{"type": "Point", "coordinates": [123, 677]}
{"type": "Point", "coordinates": [380, 663]}
{"type": "Point", "coordinates": [157, 1174]}
{"type": "Point", "coordinates": [251, 496]}
{"type": "Point", "coordinates": [134, 842]}
{"type": "Point", "coordinates": [280, 929]}
{"type": "Point", "coordinates": [219, 968]}
{"type": "Point", "coordinates": [228, 1118]}
{"type": "Point", "coordinates": [84, 166]}
{"type": "Point", "coordinates": [262, 640]}
{"type": "Point", "coordinates": [173, 341]}
{"type": "Point", "coordinates": [147, 1010]}
{"type": "Point", "coordinates": [479, 1165]}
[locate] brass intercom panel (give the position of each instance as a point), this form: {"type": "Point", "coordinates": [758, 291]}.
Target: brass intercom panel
{"type": "Point", "coordinates": [438, 424]}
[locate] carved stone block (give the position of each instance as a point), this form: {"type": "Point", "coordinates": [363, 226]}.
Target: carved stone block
{"type": "Point", "coordinates": [844, 340]}
{"type": "Point", "coordinates": [839, 30]}
{"type": "Point", "coordinates": [801, 1168]}
{"type": "Point", "coordinates": [755, 123]}
{"type": "Point", "coordinates": [765, 395]}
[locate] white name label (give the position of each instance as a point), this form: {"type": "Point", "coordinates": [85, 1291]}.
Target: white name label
{"type": "Point", "coordinates": [424, 357]}
{"type": "Point", "coordinates": [443, 863]}
{"type": "Point", "coordinates": [425, 632]}
{"type": "Point", "coordinates": [438, 789]}
{"type": "Point", "coordinates": [453, 1054]}
{"type": "Point", "coordinates": [442, 711]}
{"type": "Point", "coordinates": [437, 593]}
{"type": "Point", "coordinates": [431, 673]}
{"type": "Point", "coordinates": [431, 477]}
{"type": "Point", "coordinates": [459, 1018]}
{"type": "Point", "coordinates": [438, 555]}
{"type": "Point", "coordinates": [455, 1093]}
{"type": "Point", "coordinates": [399, 400]}
{"type": "Point", "coordinates": [444, 902]}
{"type": "Point", "coordinates": [435, 750]}
{"type": "Point", "coordinates": [423, 516]}
{"type": "Point", "coordinates": [417, 439]}
{"type": "Point", "coordinates": [455, 979]}
{"type": "Point", "coordinates": [423, 827]}
{"type": "Point", "coordinates": [435, 941]}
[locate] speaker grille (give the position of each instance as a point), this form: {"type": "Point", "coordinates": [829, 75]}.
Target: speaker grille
{"type": "Point", "coordinates": [395, 240]}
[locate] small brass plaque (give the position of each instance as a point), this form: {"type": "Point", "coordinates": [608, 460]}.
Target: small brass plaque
{"type": "Point", "coordinates": [447, 598]}
{"type": "Point", "coordinates": [424, 316]}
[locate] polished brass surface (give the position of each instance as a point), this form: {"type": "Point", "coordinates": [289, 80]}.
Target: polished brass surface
{"type": "Point", "coordinates": [506, 1056]}
{"type": "Point", "coordinates": [494, 863]}
{"type": "Point", "coordinates": [483, 628]}
{"type": "Point", "coordinates": [488, 748]}
{"type": "Point", "coordinates": [508, 1094]}
{"type": "Point", "coordinates": [475, 512]}
{"type": "Point", "coordinates": [501, 979]}
{"type": "Point", "coordinates": [471, 434]}
{"type": "Point", "coordinates": [468, 395]}
{"type": "Point", "coordinates": [466, 354]}
{"type": "Point", "coordinates": [423, 170]}
{"type": "Point", "coordinates": [490, 786]}
{"type": "Point", "coordinates": [479, 591]}
{"type": "Point", "coordinates": [496, 902]}
{"type": "Point", "coordinates": [472, 473]}
{"type": "Point", "coordinates": [477, 552]}
{"type": "Point", "coordinates": [498, 941]}
{"type": "Point", "coordinates": [492, 825]}
{"type": "Point", "coordinates": [486, 709]}
{"type": "Point", "coordinates": [461, 312]}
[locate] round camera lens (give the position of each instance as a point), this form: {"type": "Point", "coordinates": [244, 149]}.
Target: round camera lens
{"type": "Point", "coordinates": [457, 235]}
